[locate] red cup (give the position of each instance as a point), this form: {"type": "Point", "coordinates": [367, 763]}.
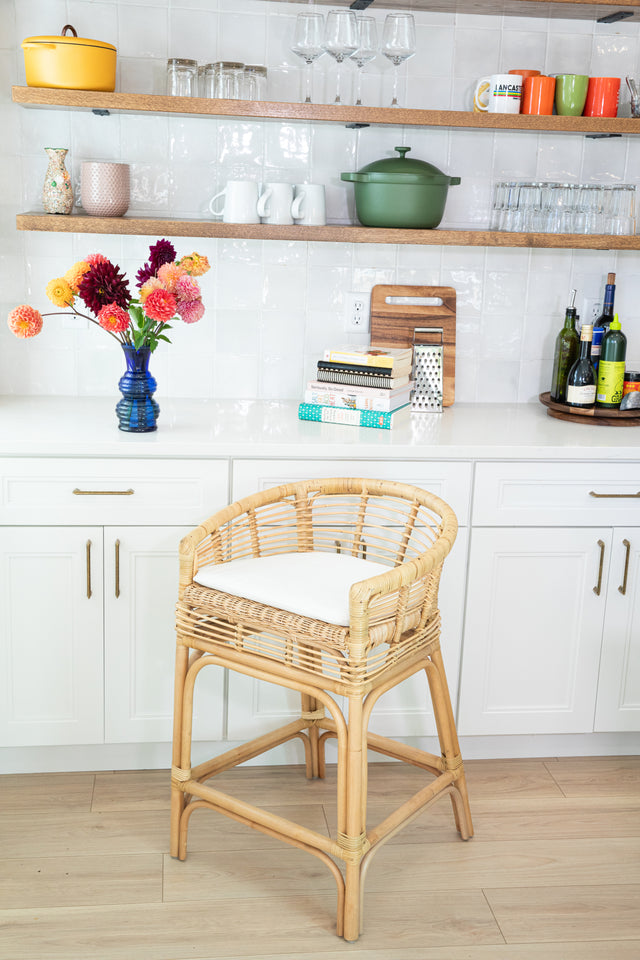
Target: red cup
{"type": "Point", "coordinates": [602, 97]}
{"type": "Point", "coordinates": [538, 94]}
{"type": "Point", "coordinates": [526, 73]}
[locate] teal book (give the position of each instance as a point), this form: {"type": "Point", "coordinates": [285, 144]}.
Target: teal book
{"type": "Point", "coordinates": [355, 418]}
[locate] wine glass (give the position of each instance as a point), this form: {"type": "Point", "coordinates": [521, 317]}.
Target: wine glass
{"type": "Point", "coordinates": [367, 49]}
{"type": "Point", "coordinates": [340, 39]}
{"type": "Point", "coordinates": [398, 44]}
{"type": "Point", "coordinates": [307, 44]}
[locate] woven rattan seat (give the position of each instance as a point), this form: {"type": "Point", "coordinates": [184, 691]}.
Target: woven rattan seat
{"type": "Point", "coordinates": [393, 632]}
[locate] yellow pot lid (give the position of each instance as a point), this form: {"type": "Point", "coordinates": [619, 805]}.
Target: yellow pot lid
{"type": "Point", "coordinates": [78, 41]}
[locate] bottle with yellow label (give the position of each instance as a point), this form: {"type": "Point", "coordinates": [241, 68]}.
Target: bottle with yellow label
{"type": "Point", "coordinates": [610, 385]}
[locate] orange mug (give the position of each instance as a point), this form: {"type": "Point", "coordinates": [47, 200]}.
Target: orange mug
{"type": "Point", "coordinates": [538, 94]}
{"type": "Point", "coordinates": [526, 73]}
{"type": "Point", "coordinates": [602, 97]}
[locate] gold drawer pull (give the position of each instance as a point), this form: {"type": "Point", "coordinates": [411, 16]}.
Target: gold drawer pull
{"type": "Point", "coordinates": [103, 493]}
{"type": "Point", "coordinates": [88, 569]}
{"type": "Point", "coordinates": [623, 586]}
{"type": "Point", "coordinates": [598, 585]}
{"type": "Point", "coordinates": [615, 496]}
{"type": "Point", "coordinates": [117, 571]}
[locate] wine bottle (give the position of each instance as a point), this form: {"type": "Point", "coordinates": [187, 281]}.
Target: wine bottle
{"type": "Point", "coordinates": [601, 325]}
{"type": "Point", "coordinates": [565, 354]}
{"type": "Point", "coordinates": [581, 382]}
{"type": "Point", "coordinates": [611, 369]}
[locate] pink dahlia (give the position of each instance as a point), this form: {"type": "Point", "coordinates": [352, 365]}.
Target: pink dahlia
{"type": "Point", "coordinates": [191, 311]}
{"type": "Point", "coordinates": [94, 258]}
{"type": "Point", "coordinates": [25, 321]}
{"type": "Point", "coordinates": [160, 305]}
{"type": "Point", "coordinates": [170, 273]}
{"type": "Point", "coordinates": [113, 318]}
{"type": "Point", "coordinates": [187, 288]}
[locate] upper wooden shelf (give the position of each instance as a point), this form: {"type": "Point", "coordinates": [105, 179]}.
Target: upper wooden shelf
{"type": "Point", "coordinates": [313, 112]}
{"type": "Point", "coordinates": [333, 233]}
{"type": "Point", "coordinates": [569, 10]}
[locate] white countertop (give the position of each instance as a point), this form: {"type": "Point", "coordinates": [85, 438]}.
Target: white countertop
{"type": "Point", "coordinates": [87, 427]}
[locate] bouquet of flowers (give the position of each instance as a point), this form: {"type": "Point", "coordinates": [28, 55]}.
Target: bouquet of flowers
{"type": "Point", "coordinates": [167, 291]}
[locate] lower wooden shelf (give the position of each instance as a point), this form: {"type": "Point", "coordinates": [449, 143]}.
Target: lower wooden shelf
{"type": "Point", "coordinates": [332, 233]}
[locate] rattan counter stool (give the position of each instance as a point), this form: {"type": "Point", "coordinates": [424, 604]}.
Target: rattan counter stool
{"type": "Point", "coordinates": [328, 588]}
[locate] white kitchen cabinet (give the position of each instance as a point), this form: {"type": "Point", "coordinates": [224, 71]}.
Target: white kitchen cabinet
{"type": "Point", "coordinates": [618, 702]}
{"type": "Point", "coordinates": [51, 626]}
{"type": "Point", "coordinates": [254, 706]}
{"type": "Point", "coordinates": [533, 630]}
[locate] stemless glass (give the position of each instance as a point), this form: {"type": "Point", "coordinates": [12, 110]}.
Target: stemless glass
{"type": "Point", "coordinates": [398, 44]}
{"type": "Point", "coordinates": [367, 49]}
{"type": "Point", "coordinates": [340, 40]}
{"type": "Point", "coordinates": [307, 44]}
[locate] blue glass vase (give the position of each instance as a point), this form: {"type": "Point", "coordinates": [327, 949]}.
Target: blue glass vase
{"type": "Point", "coordinates": [137, 411]}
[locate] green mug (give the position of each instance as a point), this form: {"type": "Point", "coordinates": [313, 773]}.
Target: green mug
{"type": "Point", "coordinates": [571, 94]}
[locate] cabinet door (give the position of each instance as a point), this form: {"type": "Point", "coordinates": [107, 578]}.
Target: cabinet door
{"type": "Point", "coordinates": [51, 623]}
{"type": "Point", "coordinates": [618, 704]}
{"type": "Point", "coordinates": [533, 630]}
{"type": "Point", "coordinates": [141, 589]}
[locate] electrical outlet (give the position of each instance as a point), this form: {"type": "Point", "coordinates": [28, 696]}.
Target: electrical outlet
{"type": "Point", "coordinates": [591, 310]}
{"type": "Point", "coordinates": [356, 318]}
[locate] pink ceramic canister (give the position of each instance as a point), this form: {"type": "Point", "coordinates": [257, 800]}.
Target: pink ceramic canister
{"type": "Point", "coordinates": [104, 188]}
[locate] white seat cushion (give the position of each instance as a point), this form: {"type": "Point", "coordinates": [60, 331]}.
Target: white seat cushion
{"type": "Point", "coordinates": [310, 584]}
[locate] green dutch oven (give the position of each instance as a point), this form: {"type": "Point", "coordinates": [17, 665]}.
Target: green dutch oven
{"type": "Point", "coordinates": [400, 192]}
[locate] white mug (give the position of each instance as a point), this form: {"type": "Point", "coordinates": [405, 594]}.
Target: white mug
{"type": "Point", "coordinates": [240, 202]}
{"type": "Point", "coordinates": [499, 93]}
{"type": "Point", "coordinates": [274, 205]}
{"type": "Point", "coordinates": [309, 204]}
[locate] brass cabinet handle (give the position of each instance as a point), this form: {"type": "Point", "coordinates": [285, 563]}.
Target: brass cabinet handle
{"type": "Point", "coordinates": [598, 585]}
{"type": "Point", "coordinates": [623, 586]}
{"type": "Point", "coordinates": [615, 496]}
{"type": "Point", "coordinates": [88, 569]}
{"type": "Point", "coordinates": [103, 493]}
{"type": "Point", "coordinates": [117, 546]}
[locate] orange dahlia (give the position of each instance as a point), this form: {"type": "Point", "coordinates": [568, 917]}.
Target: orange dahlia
{"type": "Point", "coordinates": [25, 321]}
{"type": "Point", "coordinates": [160, 305]}
{"type": "Point", "coordinates": [169, 274]}
{"type": "Point", "coordinates": [195, 264]}
{"type": "Point", "coordinates": [113, 318]}
{"type": "Point", "coordinates": [59, 292]}
{"type": "Point", "coordinates": [74, 275]}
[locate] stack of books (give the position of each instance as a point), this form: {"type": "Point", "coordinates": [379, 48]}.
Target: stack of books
{"type": "Point", "coordinates": [362, 386]}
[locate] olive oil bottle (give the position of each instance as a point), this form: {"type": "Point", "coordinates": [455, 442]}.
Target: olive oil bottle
{"type": "Point", "coordinates": [611, 367]}
{"type": "Point", "coordinates": [565, 354]}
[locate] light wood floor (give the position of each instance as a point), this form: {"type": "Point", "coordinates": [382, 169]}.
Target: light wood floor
{"type": "Point", "coordinates": [553, 872]}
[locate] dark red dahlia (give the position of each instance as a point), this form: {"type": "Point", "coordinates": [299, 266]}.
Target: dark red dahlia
{"type": "Point", "coordinates": [159, 253]}
{"type": "Point", "coordinates": [103, 284]}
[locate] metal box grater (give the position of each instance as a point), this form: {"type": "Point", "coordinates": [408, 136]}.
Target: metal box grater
{"type": "Point", "coordinates": [427, 373]}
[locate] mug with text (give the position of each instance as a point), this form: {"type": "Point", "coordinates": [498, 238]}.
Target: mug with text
{"type": "Point", "coordinates": [538, 94]}
{"type": "Point", "coordinates": [309, 204]}
{"type": "Point", "coordinates": [274, 205]}
{"type": "Point", "coordinates": [602, 97]}
{"type": "Point", "coordinates": [240, 203]}
{"type": "Point", "coordinates": [499, 93]}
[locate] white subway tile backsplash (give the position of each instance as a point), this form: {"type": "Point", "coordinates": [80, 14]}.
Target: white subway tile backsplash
{"type": "Point", "coordinates": [272, 307]}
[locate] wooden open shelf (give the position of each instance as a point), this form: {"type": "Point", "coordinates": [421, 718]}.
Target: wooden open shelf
{"type": "Point", "coordinates": [570, 10]}
{"type": "Point", "coordinates": [332, 233]}
{"type": "Point", "coordinates": [314, 112]}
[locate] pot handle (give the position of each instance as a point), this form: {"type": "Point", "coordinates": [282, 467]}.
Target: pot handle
{"type": "Point", "coordinates": [454, 181]}
{"type": "Point", "coordinates": [355, 177]}
{"type": "Point", "coordinates": [66, 27]}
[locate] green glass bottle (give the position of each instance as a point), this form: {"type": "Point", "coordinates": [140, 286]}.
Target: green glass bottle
{"type": "Point", "coordinates": [565, 354]}
{"type": "Point", "coordinates": [611, 366]}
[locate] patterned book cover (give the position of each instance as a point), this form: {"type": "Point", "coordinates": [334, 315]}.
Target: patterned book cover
{"type": "Point", "coordinates": [356, 418]}
{"type": "Point", "coordinates": [391, 357]}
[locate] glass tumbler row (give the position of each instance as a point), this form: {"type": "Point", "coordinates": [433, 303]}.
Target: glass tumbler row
{"type": "Point", "coordinates": [224, 79]}
{"type": "Point", "coordinates": [538, 207]}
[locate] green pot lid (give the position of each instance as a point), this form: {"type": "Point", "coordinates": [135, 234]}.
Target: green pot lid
{"type": "Point", "coordinates": [403, 169]}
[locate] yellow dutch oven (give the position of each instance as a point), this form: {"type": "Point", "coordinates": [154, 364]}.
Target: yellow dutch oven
{"type": "Point", "coordinates": [72, 63]}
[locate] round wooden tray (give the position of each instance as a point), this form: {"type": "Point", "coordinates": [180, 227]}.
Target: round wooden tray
{"type": "Point", "coordinates": [593, 415]}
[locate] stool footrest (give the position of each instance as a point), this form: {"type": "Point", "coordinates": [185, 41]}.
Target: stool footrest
{"type": "Point", "coordinates": [249, 750]}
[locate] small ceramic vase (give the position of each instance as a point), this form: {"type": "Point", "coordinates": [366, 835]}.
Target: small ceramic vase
{"type": "Point", "coordinates": [57, 195]}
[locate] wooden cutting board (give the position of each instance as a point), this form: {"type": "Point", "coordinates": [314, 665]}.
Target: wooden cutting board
{"type": "Point", "coordinates": [394, 324]}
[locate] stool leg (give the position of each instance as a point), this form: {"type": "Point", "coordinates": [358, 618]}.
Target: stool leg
{"type": "Point", "coordinates": [177, 795]}
{"type": "Point", "coordinates": [448, 737]}
{"type": "Point", "coordinates": [309, 705]}
{"type": "Point", "coordinates": [353, 841]}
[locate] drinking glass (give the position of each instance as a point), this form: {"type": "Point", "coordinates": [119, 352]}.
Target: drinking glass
{"type": "Point", "coordinates": [340, 40]}
{"type": "Point", "coordinates": [398, 44]}
{"type": "Point", "coordinates": [307, 44]}
{"type": "Point", "coordinates": [367, 49]}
